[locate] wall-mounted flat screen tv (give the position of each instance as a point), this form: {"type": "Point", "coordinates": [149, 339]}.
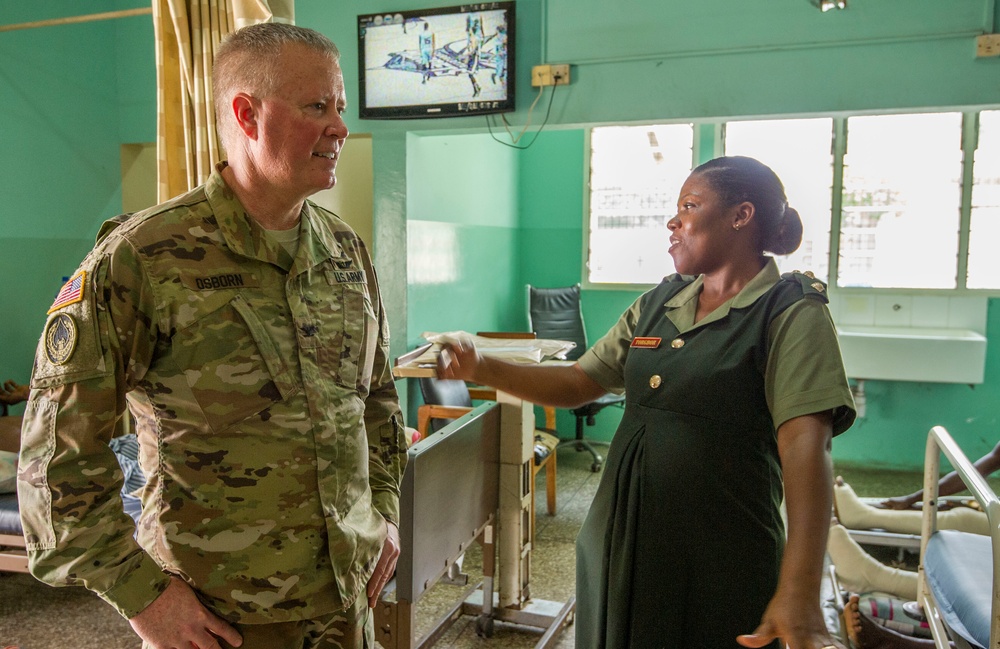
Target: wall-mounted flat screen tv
{"type": "Point", "coordinates": [444, 62]}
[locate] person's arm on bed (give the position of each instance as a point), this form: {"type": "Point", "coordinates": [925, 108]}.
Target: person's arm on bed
{"type": "Point", "coordinates": [950, 484]}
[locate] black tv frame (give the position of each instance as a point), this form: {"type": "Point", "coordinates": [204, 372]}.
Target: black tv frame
{"type": "Point", "coordinates": [454, 95]}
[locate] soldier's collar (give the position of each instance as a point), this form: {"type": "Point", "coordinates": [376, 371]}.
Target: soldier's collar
{"type": "Point", "coordinates": [245, 239]}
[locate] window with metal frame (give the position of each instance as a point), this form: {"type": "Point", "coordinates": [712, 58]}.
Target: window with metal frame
{"type": "Point", "coordinates": [900, 201]}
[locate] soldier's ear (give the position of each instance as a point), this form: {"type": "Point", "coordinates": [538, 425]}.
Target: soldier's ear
{"type": "Point", "coordinates": [245, 111]}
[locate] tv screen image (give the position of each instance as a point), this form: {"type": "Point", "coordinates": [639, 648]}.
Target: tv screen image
{"type": "Point", "coordinates": [442, 62]}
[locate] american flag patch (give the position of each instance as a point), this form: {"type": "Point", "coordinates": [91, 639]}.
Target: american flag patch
{"type": "Point", "coordinates": [71, 292]}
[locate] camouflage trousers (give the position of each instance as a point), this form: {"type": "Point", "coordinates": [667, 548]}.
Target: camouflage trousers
{"type": "Point", "coordinates": [353, 628]}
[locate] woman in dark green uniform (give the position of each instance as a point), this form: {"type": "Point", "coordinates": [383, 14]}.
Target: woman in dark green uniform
{"type": "Point", "coordinates": [734, 388]}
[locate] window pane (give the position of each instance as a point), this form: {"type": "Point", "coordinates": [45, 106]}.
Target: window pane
{"type": "Point", "coordinates": [635, 174]}
{"type": "Point", "coordinates": [901, 201]}
{"type": "Point", "coordinates": [984, 230]}
{"type": "Point", "coordinates": [799, 151]}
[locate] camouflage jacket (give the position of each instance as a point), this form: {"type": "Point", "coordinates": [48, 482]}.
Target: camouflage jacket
{"type": "Point", "coordinates": [268, 422]}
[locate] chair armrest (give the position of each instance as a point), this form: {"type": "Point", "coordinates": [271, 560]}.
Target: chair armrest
{"type": "Point", "coordinates": [481, 393]}
{"type": "Point", "coordinates": [427, 412]}
{"type": "Point", "coordinates": [550, 417]}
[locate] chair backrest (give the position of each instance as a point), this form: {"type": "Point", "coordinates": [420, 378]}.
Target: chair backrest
{"type": "Point", "coordinates": [441, 392]}
{"type": "Point", "coordinates": [555, 313]}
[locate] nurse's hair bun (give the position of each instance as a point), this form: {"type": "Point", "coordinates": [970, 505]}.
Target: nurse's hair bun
{"type": "Point", "coordinates": [785, 238]}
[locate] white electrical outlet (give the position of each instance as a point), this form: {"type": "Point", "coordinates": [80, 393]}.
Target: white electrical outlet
{"type": "Point", "coordinates": [550, 75]}
{"type": "Point", "coordinates": [988, 45]}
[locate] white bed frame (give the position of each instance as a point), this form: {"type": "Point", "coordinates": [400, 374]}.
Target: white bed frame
{"type": "Point", "coordinates": [938, 441]}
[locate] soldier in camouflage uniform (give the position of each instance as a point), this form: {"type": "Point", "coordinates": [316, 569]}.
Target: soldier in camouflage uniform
{"type": "Point", "coordinates": [242, 327]}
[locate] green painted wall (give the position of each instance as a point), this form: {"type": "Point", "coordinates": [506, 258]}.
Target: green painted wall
{"type": "Point", "coordinates": [60, 126]}
{"type": "Point", "coordinates": [462, 228]}
{"type": "Point", "coordinates": [652, 60]}
{"type": "Point", "coordinates": [894, 431]}
{"type": "Point", "coordinates": [71, 95]}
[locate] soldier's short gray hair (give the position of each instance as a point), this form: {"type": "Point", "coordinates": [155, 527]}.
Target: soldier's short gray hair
{"type": "Point", "coordinates": [247, 61]}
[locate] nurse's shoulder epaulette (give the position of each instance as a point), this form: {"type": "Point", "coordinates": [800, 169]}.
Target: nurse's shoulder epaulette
{"type": "Point", "coordinates": [811, 287]}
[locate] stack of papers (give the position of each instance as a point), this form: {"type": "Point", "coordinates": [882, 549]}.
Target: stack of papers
{"type": "Point", "coordinates": [515, 350]}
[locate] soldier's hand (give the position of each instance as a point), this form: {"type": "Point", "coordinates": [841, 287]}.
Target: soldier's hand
{"type": "Point", "coordinates": [386, 564]}
{"type": "Point", "coordinates": [178, 620]}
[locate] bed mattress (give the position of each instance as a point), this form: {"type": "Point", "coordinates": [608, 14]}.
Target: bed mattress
{"type": "Point", "coordinates": [10, 521]}
{"type": "Point", "coordinates": [959, 569]}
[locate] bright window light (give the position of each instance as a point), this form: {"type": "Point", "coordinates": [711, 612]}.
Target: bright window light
{"type": "Point", "coordinates": [908, 200]}
{"type": "Point", "coordinates": [984, 229]}
{"type": "Point", "coordinates": [799, 151]}
{"type": "Point", "coordinates": [635, 175]}
{"type": "Point", "coordinates": [901, 201]}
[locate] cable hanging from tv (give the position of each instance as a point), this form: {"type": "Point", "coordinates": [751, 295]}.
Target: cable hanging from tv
{"type": "Point", "coordinates": [515, 139]}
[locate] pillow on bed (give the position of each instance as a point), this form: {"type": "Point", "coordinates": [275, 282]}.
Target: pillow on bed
{"type": "Point", "coordinates": [126, 449]}
{"type": "Point", "coordinates": [8, 472]}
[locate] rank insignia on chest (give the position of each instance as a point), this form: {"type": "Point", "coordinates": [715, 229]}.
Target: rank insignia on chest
{"type": "Point", "coordinates": [644, 342]}
{"type": "Point", "coordinates": [71, 292]}
{"type": "Point", "coordinates": [60, 338]}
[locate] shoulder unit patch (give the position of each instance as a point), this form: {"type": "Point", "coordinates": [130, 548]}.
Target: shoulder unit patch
{"type": "Point", "coordinates": [60, 338]}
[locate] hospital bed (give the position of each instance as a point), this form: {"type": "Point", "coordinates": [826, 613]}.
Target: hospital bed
{"type": "Point", "coordinates": [959, 574]}
{"type": "Point", "coordinates": [451, 496]}
{"type": "Point", "coordinates": [13, 555]}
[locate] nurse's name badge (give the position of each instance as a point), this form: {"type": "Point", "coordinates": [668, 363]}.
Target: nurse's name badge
{"type": "Point", "coordinates": [60, 338]}
{"type": "Point", "coordinates": [646, 342]}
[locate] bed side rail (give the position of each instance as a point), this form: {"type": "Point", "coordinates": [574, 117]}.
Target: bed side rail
{"type": "Point", "coordinates": [940, 441]}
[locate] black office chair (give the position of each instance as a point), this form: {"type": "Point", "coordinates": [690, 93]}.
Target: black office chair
{"type": "Point", "coordinates": [451, 397]}
{"type": "Point", "coordinates": [555, 313]}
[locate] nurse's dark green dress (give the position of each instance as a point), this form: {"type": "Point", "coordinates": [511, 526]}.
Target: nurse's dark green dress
{"type": "Point", "coordinates": [683, 542]}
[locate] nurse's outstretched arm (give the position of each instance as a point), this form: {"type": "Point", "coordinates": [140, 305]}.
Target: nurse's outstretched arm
{"type": "Point", "coordinates": [794, 613]}
{"type": "Point", "coordinates": [560, 386]}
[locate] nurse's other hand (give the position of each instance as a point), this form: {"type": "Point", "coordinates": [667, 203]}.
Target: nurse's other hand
{"type": "Point", "coordinates": [762, 638]}
{"type": "Point", "coordinates": [799, 627]}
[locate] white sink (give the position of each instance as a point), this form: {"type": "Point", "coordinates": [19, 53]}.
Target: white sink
{"type": "Point", "coordinates": [913, 354]}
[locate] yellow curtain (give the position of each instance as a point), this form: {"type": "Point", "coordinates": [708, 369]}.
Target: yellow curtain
{"type": "Point", "coordinates": [187, 34]}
